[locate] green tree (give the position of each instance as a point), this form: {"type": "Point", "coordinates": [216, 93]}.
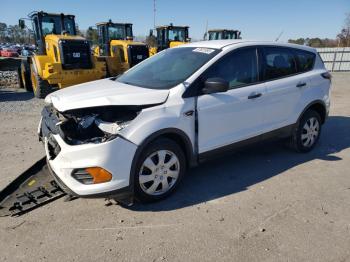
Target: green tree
{"type": "Point", "coordinates": [151, 40]}
{"type": "Point", "coordinates": [299, 41]}
{"type": "Point", "coordinates": [78, 30]}
{"type": "Point", "coordinates": [344, 35]}
{"type": "Point", "coordinates": [92, 35]}
{"type": "Point", "coordinates": [3, 29]}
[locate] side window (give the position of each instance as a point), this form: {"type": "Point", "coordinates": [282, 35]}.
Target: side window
{"type": "Point", "coordinates": [278, 62]}
{"type": "Point", "coordinates": [305, 60]}
{"type": "Point", "coordinates": [35, 24]}
{"type": "Point", "coordinates": [56, 53]}
{"type": "Point", "coordinates": [239, 68]}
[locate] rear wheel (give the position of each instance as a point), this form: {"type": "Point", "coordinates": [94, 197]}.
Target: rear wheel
{"type": "Point", "coordinates": [19, 78]}
{"type": "Point", "coordinates": [159, 170]}
{"type": "Point", "coordinates": [308, 132]}
{"type": "Point", "coordinates": [41, 88]}
{"type": "Point", "coordinates": [24, 76]}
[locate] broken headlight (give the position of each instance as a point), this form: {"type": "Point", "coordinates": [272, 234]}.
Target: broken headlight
{"type": "Point", "coordinates": [96, 125]}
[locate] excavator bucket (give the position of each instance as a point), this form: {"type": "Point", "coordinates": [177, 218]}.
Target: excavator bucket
{"type": "Point", "coordinates": [33, 188]}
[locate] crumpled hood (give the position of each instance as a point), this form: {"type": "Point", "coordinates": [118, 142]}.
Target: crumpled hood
{"type": "Point", "coordinates": [104, 92]}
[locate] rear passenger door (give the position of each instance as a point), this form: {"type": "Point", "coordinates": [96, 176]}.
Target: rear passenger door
{"type": "Point", "coordinates": [284, 86]}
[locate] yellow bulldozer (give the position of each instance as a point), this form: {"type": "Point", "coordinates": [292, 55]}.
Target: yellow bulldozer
{"type": "Point", "coordinates": [117, 48]}
{"type": "Point", "coordinates": [62, 57]}
{"type": "Point", "coordinates": [169, 36]}
{"type": "Point", "coordinates": [219, 34]}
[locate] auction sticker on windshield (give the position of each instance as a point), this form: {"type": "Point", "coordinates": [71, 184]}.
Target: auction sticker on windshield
{"type": "Point", "coordinates": [204, 50]}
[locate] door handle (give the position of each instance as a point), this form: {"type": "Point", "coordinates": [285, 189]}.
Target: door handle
{"type": "Point", "coordinates": [254, 95]}
{"type": "Point", "coordinates": [301, 84]}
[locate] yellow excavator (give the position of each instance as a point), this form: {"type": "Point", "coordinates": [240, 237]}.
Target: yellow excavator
{"type": "Point", "coordinates": [62, 58]}
{"type": "Point", "coordinates": [169, 36]}
{"type": "Point", "coordinates": [117, 48]}
{"type": "Point", "coordinates": [219, 34]}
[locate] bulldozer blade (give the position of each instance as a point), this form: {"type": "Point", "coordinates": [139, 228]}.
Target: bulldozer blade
{"type": "Point", "coordinates": [33, 188]}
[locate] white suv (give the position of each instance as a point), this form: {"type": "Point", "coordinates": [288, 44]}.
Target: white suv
{"type": "Point", "coordinates": [135, 135]}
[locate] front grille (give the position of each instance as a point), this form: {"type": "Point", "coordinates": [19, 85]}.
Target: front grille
{"type": "Point", "coordinates": [49, 123]}
{"type": "Point", "coordinates": [137, 53]}
{"type": "Point", "coordinates": [53, 148]}
{"type": "Point", "coordinates": [75, 54]}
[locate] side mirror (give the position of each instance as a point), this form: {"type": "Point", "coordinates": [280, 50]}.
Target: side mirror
{"type": "Point", "coordinates": [129, 38]}
{"type": "Point", "coordinates": [215, 85]}
{"type": "Point", "coordinates": [21, 23]}
{"type": "Point", "coordinates": [188, 39]}
{"type": "Point", "coordinates": [151, 32]}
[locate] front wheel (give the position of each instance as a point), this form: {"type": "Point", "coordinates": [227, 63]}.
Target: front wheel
{"type": "Point", "coordinates": [159, 170]}
{"type": "Point", "coordinates": [307, 133]}
{"type": "Point", "coordinates": [41, 88]}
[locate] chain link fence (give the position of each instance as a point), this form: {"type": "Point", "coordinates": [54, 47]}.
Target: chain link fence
{"type": "Point", "coordinates": [336, 59]}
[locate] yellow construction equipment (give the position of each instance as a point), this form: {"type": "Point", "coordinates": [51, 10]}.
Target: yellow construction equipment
{"type": "Point", "coordinates": [169, 36]}
{"type": "Point", "coordinates": [117, 48]}
{"type": "Point", "coordinates": [62, 58]}
{"type": "Point", "coordinates": [219, 34]}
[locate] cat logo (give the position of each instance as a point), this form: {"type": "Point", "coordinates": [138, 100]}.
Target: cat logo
{"type": "Point", "coordinates": [76, 55]}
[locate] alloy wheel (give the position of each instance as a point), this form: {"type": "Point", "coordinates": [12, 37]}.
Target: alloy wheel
{"type": "Point", "coordinates": [310, 132]}
{"type": "Point", "coordinates": [159, 172]}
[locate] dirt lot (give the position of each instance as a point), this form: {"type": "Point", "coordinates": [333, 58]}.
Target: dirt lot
{"type": "Point", "coordinates": [265, 203]}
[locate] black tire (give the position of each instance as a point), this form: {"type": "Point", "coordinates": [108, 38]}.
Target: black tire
{"type": "Point", "coordinates": [298, 141]}
{"type": "Point", "coordinates": [41, 88]}
{"type": "Point", "coordinates": [162, 144]}
{"type": "Point", "coordinates": [19, 78]}
{"type": "Point", "coordinates": [24, 76]}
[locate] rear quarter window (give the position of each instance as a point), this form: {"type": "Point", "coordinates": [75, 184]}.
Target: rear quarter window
{"type": "Point", "coordinates": [305, 60]}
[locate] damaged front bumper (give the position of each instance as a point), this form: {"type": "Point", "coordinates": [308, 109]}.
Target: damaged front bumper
{"type": "Point", "coordinates": [64, 159]}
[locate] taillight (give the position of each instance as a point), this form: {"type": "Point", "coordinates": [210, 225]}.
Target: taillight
{"type": "Point", "coordinates": [327, 75]}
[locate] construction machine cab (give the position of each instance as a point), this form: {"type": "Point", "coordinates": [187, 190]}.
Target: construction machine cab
{"type": "Point", "coordinates": [46, 24]}
{"type": "Point", "coordinates": [219, 34]}
{"type": "Point", "coordinates": [108, 31]}
{"type": "Point", "coordinates": [171, 36]}
{"type": "Point", "coordinates": [62, 58]}
{"type": "Point", "coordinates": [116, 46]}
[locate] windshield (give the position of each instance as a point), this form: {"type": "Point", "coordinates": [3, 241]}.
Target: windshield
{"type": "Point", "coordinates": [117, 32]}
{"type": "Point", "coordinates": [215, 35]}
{"type": "Point", "coordinates": [177, 34]}
{"type": "Point", "coordinates": [52, 25]}
{"type": "Point", "coordinates": [168, 68]}
{"type": "Point", "coordinates": [231, 35]}
{"type": "Point", "coordinates": [221, 35]}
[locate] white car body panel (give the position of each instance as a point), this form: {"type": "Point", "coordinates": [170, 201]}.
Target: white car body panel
{"type": "Point", "coordinates": [171, 113]}
{"type": "Point", "coordinates": [104, 92]}
{"type": "Point", "coordinates": [225, 118]}
{"type": "Point", "coordinates": [282, 97]}
{"type": "Point", "coordinates": [106, 155]}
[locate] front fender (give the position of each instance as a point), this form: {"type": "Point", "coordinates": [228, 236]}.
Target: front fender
{"type": "Point", "coordinates": [152, 120]}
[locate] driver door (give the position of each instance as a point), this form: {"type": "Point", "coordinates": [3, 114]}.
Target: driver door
{"type": "Point", "coordinates": [235, 115]}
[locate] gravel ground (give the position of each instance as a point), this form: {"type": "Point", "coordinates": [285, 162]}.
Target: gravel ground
{"type": "Point", "coordinates": [265, 203]}
{"type": "Point", "coordinates": [8, 79]}
{"type": "Point", "coordinates": [19, 101]}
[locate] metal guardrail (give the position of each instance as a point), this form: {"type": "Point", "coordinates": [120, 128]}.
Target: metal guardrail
{"type": "Point", "coordinates": [336, 59]}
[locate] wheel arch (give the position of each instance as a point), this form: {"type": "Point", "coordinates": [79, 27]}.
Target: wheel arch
{"type": "Point", "coordinates": [39, 62]}
{"type": "Point", "coordinates": [175, 134]}
{"type": "Point", "coordinates": [319, 106]}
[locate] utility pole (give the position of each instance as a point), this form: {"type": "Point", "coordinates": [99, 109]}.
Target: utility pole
{"type": "Point", "coordinates": [154, 14]}
{"type": "Point", "coordinates": [206, 31]}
